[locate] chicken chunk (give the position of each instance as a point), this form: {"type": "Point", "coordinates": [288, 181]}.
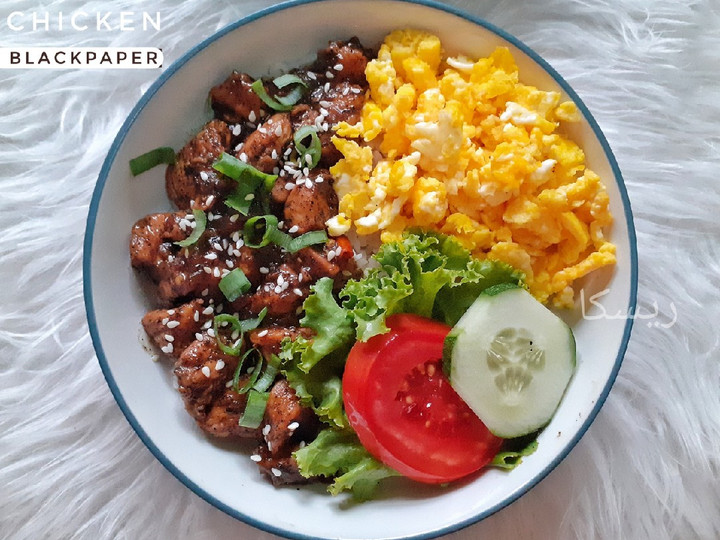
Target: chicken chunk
{"type": "Point", "coordinates": [172, 330]}
{"type": "Point", "coordinates": [191, 182]}
{"type": "Point", "coordinates": [287, 418]}
{"type": "Point", "coordinates": [264, 147]}
{"type": "Point", "coordinates": [184, 273]}
{"type": "Point", "coordinates": [202, 372]}
{"type": "Point", "coordinates": [234, 101]}
{"type": "Point", "coordinates": [309, 205]}
{"type": "Point", "coordinates": [346, 60]}
{"type": "Point", "coordinates": [282, 293]}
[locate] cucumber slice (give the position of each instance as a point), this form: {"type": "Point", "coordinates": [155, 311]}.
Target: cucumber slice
{"type": "Point", "coordinates": [511, 361]}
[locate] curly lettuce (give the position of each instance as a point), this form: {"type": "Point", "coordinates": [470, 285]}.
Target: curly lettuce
{"type": "Point", "coordinates": [338, 454]}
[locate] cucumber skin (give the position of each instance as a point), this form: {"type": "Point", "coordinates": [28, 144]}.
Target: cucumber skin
{"type": "Point", "coordinates": [457, 331]}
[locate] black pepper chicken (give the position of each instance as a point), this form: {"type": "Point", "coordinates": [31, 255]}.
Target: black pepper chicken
{"type": "Point", "coordinates": [185, 279]}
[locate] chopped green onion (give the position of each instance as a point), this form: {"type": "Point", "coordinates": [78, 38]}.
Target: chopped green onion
{"type": "Point", "coordinates": [281, 103]}
{"type": "Point", "coordinates": [295, 94]}
{"type": "Point", "coordinates": [305, 240]}
{"type": "Point", "coordinates": [314, 149]}
{"type": "Point", "coordinates": [150, 159]}
{"type": "Point", "coordinates": [249, 182]}
{"type": "Point", "coordinates": [254, 409]}
{"type": "Point", "coordinates": [252, 324]}
{"type": "Point", "coordinates": [250, 383]}
{"type": "Point", "coordinates": [239, 170]}
{"type": "Point", "coordinates": [273, 235]}
{"type": "Point", "coordinates": [250, 230]}
{"type": "Point", "coordinates": [200, 224]}
{"type": "Point", "coordinates": [235, 325]}
{"type": "Point", "coordinates": [268, 376]}
{"type": "Point", "coordinates": [234, 284]}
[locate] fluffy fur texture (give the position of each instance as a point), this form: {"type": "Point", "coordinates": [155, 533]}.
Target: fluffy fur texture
{"type": "Point", "coordinates": [71, 467]}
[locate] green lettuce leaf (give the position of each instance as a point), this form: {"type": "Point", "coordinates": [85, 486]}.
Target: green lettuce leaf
{"type": "Point", "coordinates": [372, 298]}
{"type": "Point", "coordinates": [331, 323]}
{"type": "Point", "coordinates": [512, 456]}
{"type": "Point", "coordinates": [320, 388]}
{"type": "Point", "coordinates": [428, 274]}
{"type": "Point", "coordinates": [338, 454]}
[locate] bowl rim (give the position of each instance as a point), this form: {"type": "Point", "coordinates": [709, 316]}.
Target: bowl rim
{"type": "Point", "coordinates": [90, 230]}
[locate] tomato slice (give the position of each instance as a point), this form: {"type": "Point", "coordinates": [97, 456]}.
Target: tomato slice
{"type": "Point", "coordinates": [404, 410]}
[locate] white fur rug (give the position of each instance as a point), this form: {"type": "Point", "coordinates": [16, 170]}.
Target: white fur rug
{"type": "Point", "coordinates": [649, 70]}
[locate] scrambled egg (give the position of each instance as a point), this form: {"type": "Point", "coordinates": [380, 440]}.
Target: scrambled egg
{"type": "Point", "coordinates": [462, 147]}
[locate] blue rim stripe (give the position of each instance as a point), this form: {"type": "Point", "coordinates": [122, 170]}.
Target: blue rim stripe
{"type": "Point", "coordinates": [90, 230]}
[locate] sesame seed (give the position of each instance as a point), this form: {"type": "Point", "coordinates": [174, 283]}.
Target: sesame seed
{"type": "Point", "coordinates": [319, 180]}
{"type": "Point", "coordinates": [264, 270]}
{"type": "Point", "coordinates": [216, 272]}
{"type": "Point", "coordinates": [252, 116]}
{"type": "Point", "coordinates": [225, 272]}
{"type": "Point", "coordinates": [266, 430]}
{"type": "Point", "coordinates": [208, 310]}
{"type": "Point", "coordinates": [211, 332]}
{"type": "Point", "coordinates": [274, 153]}
{"type": "Point", "coordinates": [173, 324]}
{"type": "Point", "coordinates": [278, 131]}
{"type": "Point", "coordinates": [300, 278]}
{"type": "Point", "coordinates": [293, 229]}
{"type": "Point", "coordinates": [311, 75]}
{"type": "Point", "coordinates": [308, 159]}
{"type": "Point", "coordinates": [206, 371]}
{"type": "Point", "coordinates": [167, 349]}
{"type": "Point", "coordinates": [278, 289]}
{"type": "Point", "coordinates": [345, 91]}
{"type": "Point", "coordinates": [165, 321]}
{"type": "Point", "coordinates": [171, 312]}
{"type": "Point", "coordinates": [211, 256]}
{"type": "Point", "coordinates": [237, 129]}
{"type": "Point", "coordinates": [256, 458]}
{"type": "Point", "coordinates": [306, 171]}
{"type": "Point", "coordinates": [263, 333]}
{"type": "Point", "coordinates": [298, 292]}
{"type": "Point", "coordinates": [196, 316]}
{"type": "Point", "coordinates": [326, 87]}
{"type": "Point", "coordinates": [207, 325]}
{"type": "Point", "coordinates": [198, 335]}
{"type": "Point", "coordinates": [217, 246]}
{"type": "Point", "coordinates": [234, 218]}
{"type": "Point", "coordinates": [338, 67]}
{"type": "Point", "coordinates": [203, 175]}
{"type": "Point", "coordinates": [228, 384]}
{"type": "Point", "coordinates": [308, 183]}
{"type": "Point", "coordinates": [219, 365]}
{"type": "Point", "coordinates": [326, 104]}
{"type": "Point", "coordinates": [329, 75]}
{"type": "Point", "coordinates": [205, 292]}
{"type": "Point", "coordinates": [276, 472]}
{"type": "Point", "coordinates": [207, 269]}
{"type": "Point", "coordinates": [289, 186]}
{"type": "Point", "coordinates": [293, 426]}
{"type": "Point", "coordinates": [302, 444]}
{"type": "Point", "coordinates": [229, 263]}
{"type": "Point", "coordinates": [280, 280]}
{"type": "Point", "coordinates": [210, 200]}
{"type": "Point", "coordinates": [243, 157]}
{"type": "Point", "coordinates": [331, 256]}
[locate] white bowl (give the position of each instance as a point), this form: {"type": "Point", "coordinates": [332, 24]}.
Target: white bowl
{"type": "Point", "coordinates": [167, 115]}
